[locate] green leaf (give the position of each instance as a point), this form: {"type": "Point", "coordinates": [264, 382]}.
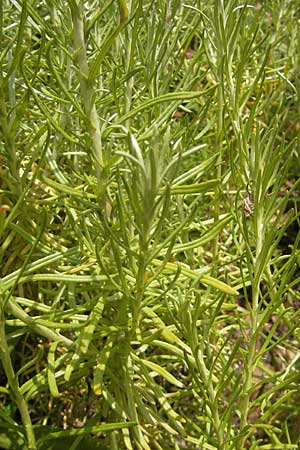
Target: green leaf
{"type": "Point", "coordinates": [94, 429]}
{"type": "Point", "coordinates": [162, 372]}
{"type": "Point", "coordinates": [51, 370]}
{"type": "Point", "coordinates": [194, 275]}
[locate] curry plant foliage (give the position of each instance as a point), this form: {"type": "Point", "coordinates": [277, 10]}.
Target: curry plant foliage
{"type": "Point", "coordinates": [149, 224]}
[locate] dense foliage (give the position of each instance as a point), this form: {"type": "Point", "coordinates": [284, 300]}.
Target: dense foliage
{"type": "Point", "coordinates": [149, 224]}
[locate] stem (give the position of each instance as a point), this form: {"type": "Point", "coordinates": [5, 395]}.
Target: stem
{"type": "Point", "coordinates": [205, 375]}
{"type": "Point", "coordinates": [221, 49]}
{"type": "Point", "coordinates": [140, 290]}
{"type": "Point", "coordinates": [250, 364]}
{"type": "Point", "coordinates": [88, 94]}
{"type": "Point", "coordinates": [14, 386]}
{"type": "Point", "coordinates": [219, 135]}
{"type": "Point", "coordinates": [9, 139]}
{"type": "Point", "coordinates": [130, 44]}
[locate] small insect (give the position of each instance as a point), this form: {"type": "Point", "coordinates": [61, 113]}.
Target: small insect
{"type": "Point", "coordinates": [248, 205]}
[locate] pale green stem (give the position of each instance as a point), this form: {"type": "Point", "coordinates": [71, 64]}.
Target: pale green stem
{"type": "Point", "coordinates": [212, 397]}
{"type": "Point", "coordinates": [9, 139]}
{"type": "Point", "coordinates": [219, 135]}
{"type": "Point", "coordinates": [254, 317]}
{"type": "Point", "coordinates": [140, 291]}
{"type": "Point", "coordinates": [14, 386]}
{"type": "Point", "coordinates": [130, 81]}
{"type": "Point", "coordinates": [88, 93]}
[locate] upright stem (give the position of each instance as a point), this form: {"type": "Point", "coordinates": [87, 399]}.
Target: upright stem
{"type": "Point", "coordinates": [14, 385]}
{"type": "Point", "coordinates": [219, 137]}
{"type": "Point", "coordinates": [88, 93]}
{"type": "Point", "coordinates": [220, 21]}
{"type": "Point", "coordinates": [139, 295]}
{"type": "Point", "coordinates": [8, 111]}
{"type": "Point", "coordinates": [254, 317]}
{"type": "Point", "coordinates": [206, 376]}
{"type": "Point", "coordinates": [9, 139]}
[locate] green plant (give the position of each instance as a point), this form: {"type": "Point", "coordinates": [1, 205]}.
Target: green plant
{"type": "Point", "coordinates": [149, 225]}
